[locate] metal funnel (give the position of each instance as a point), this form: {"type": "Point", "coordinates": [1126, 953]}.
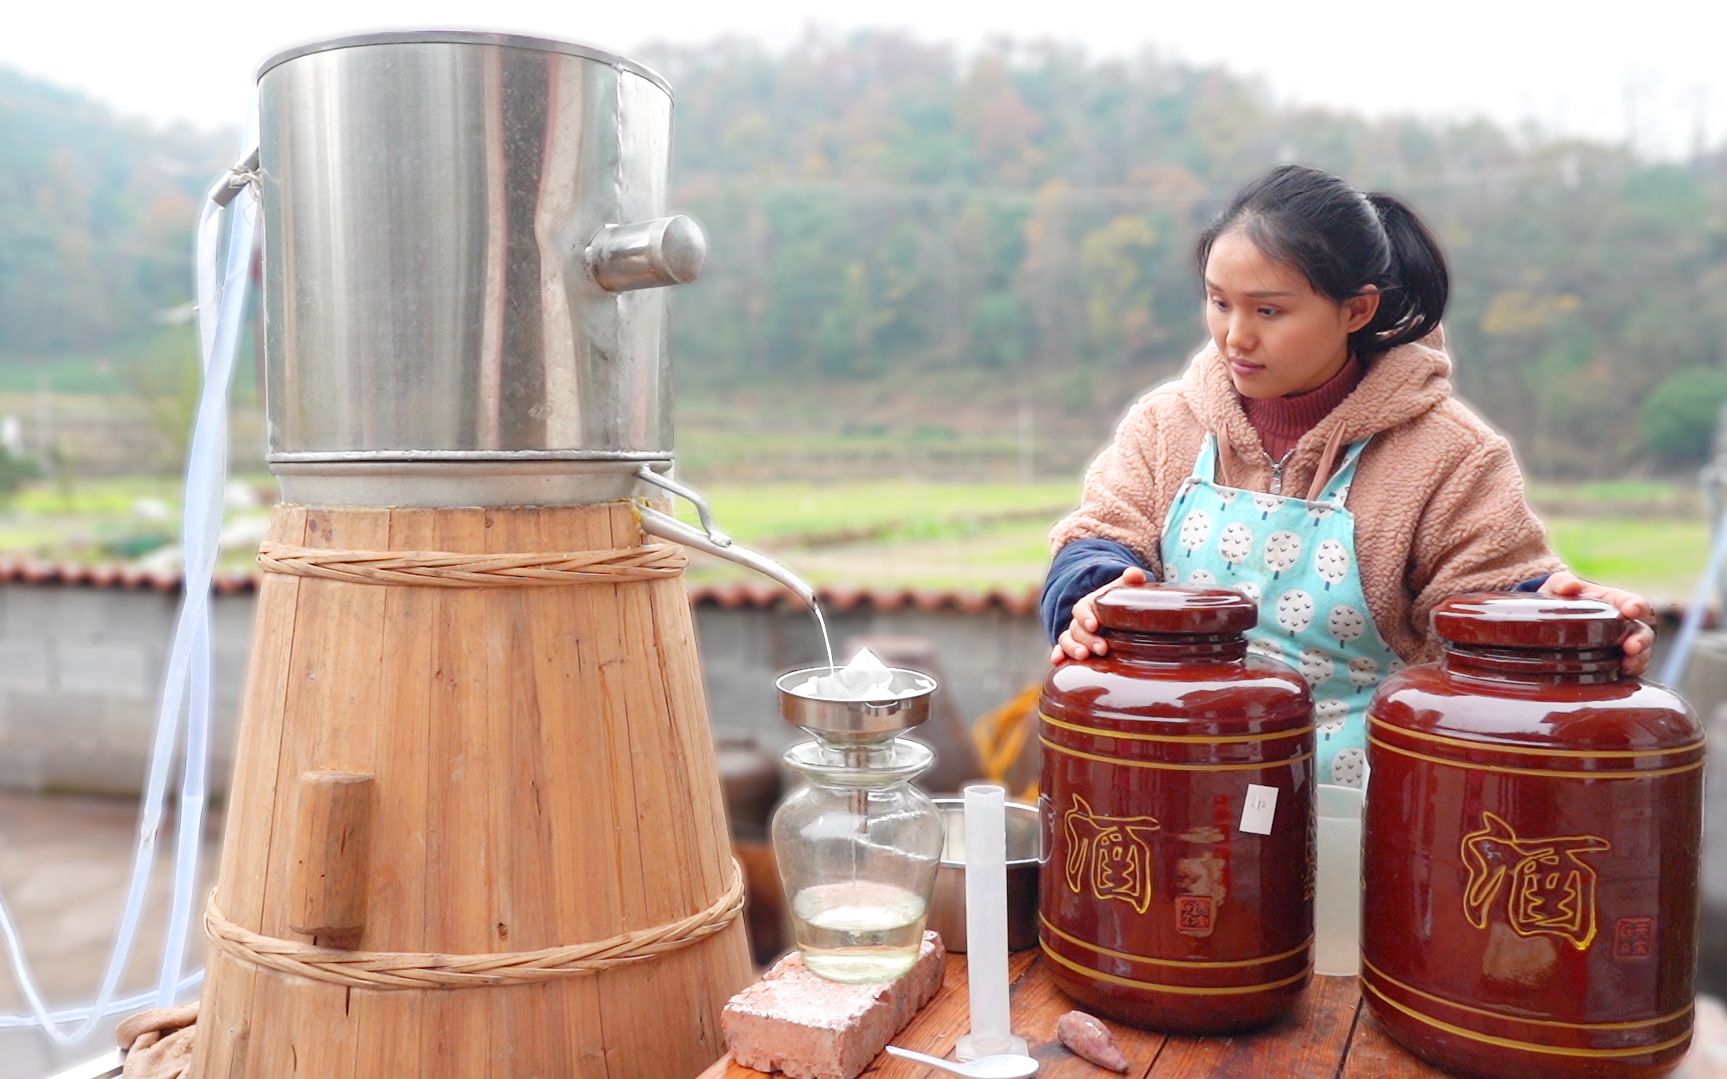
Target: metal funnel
{"type": "Point", "coordinates": [857, 721]}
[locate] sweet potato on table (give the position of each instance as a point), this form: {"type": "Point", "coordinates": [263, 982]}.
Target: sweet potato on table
{"type": "Point", "coordinates": [1091, 1040]}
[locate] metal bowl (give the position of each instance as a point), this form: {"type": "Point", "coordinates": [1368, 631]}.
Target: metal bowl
{"type": "Point", "coordinates": [1024, 848]}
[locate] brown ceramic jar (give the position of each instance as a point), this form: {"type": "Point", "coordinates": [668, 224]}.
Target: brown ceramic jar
{"type": "Point", "coordinates": [1158, 907]}
{"type": "Point", "coordinates": [1530, 848]}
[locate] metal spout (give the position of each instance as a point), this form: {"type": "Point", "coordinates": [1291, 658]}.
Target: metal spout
{"type": "Point", "coordinates": [665, 526]}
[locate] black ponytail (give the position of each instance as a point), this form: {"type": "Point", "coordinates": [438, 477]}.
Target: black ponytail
{"type": "Point", "coordinates": [1412, 305]}
{"type": "Point", "coordinates": [1342, 241]}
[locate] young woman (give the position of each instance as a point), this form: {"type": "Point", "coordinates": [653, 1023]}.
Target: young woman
{"type": "Point", "coordinates": [1313, 456]}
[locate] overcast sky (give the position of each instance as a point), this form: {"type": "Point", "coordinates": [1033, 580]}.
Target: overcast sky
{"type": "Point", "coordinates": [1654, 75]}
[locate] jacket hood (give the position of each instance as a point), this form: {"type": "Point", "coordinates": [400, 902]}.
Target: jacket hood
{"type": "Point", "coordinates": [1398, 386]}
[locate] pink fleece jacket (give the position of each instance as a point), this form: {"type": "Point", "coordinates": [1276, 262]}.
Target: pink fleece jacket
{"type": "Point", "coordinates": [1438, 498]}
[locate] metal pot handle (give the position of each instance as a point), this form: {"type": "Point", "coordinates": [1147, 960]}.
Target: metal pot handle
{"type": "Point", "coordinates": [236, 179]}
{"type": "Point", "coordinates": [647, 254]}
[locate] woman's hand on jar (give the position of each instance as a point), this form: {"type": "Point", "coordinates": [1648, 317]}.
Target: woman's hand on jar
{"type": "Point", "coordinates": [1639, 643]}
{"type": "Point", "coordinates": [1080, 639]}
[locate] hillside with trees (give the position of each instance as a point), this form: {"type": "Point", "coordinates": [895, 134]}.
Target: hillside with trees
{"type": "Point", "coordinates": [959, 241]}
{"type": "Point", "coordinates": [877, 206]}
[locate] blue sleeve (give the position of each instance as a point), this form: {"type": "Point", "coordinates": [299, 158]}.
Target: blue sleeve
{"type": "Point", "coordinates": [1080, 567]}
{"type": "Point", "coordinates": [1533, 584]}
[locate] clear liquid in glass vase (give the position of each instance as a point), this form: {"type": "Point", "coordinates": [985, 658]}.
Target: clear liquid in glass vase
{"type": "Point", "coordinates": [858, 931]}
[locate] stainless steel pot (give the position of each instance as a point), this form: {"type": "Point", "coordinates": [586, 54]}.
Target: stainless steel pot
{"type": "Point", "coordinates": [464, 235]}
{"type": "Point", "coordinates": [465, 242]}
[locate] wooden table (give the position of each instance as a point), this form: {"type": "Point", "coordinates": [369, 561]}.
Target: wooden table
{"type": "Point", "coordinates": [1328, 1034]}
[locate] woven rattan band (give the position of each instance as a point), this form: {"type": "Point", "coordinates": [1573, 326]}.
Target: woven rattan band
{"type": "Point", "coordinates": [430, 970]}
{"type": "Point", "coordinates": [441, 569]}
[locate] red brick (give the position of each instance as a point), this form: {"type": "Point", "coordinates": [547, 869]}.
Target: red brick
{"type": "Point", "coordinates": [800, 1024]}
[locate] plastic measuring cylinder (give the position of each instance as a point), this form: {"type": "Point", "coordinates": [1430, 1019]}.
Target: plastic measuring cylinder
{"type": "Point", "coordinates": [986, 926]}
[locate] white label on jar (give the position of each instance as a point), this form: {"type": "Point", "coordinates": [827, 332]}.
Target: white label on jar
{"type": "Point", "coordinates": [1257, 810]}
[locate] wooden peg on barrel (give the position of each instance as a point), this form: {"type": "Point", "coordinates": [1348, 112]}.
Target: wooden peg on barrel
{"type": "Point", "coordinates": [332, 849]}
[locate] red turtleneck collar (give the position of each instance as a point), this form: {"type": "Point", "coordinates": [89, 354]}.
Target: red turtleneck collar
{"type": "Point", "coordinates": [1281, 421]}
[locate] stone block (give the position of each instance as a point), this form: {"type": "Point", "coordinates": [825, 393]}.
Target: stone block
{"type": "Point", "coordinates": [58, 611]}
{"type": "Point", "coordinates": [26, 664]}
{"type": "Point", "coordinates": [108, 669]}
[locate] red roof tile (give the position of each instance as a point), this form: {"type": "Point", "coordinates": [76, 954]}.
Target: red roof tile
{"type": "Point", "coordinates": [838, 598]}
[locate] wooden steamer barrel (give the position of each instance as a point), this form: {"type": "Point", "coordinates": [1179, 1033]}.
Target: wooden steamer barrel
{"type": "Point", "coordinates": [445, 793]}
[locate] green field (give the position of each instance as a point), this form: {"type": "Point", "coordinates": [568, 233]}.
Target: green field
{"type": "Point", "coordinates": [897, 510]}
{"type": "Point", "coordinates": [1660, 559]}
{"type": "Point", "coordinates": [941, 536]}
{"type": "Point", "coordinates": [900, 533]}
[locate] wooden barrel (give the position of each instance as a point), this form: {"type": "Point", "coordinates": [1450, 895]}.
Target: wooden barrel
{"type": "Point", "coordinates": [458, 788]}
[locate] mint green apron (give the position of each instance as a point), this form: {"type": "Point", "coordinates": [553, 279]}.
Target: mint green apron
{"type": "Point", "coordinates": [1296, 559]}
